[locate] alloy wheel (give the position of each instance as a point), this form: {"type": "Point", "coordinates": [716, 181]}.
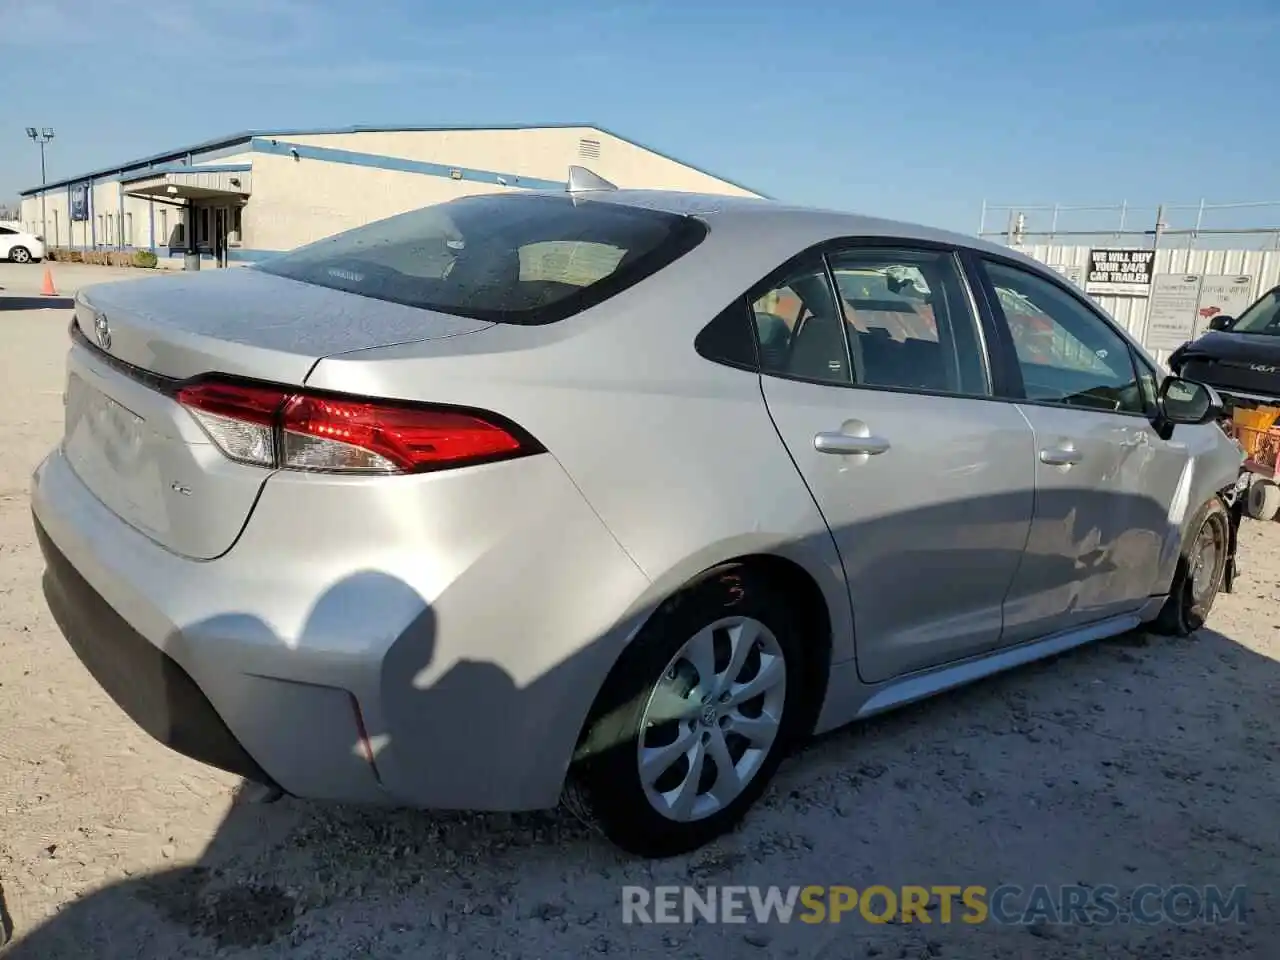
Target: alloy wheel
{"type": "Point", "coordinates": [711, 719]}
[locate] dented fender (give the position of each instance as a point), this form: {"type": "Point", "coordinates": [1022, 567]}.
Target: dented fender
{"type": "Point", "coordinates": [1234, 498]}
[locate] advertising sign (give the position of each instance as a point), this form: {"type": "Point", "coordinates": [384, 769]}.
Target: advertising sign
{"type": "Point", "coordinates": [80, 201]}
{"type": "Point", "coordinates": [1171, 311]}
{"type": "Point", "coordinates": [1121, 273]}
{"type": "Point", "coordinates": [1220, 294]}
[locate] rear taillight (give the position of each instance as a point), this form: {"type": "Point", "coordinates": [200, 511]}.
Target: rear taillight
{"type": "Point", "coordinates": [241, 420]}
{"type": "Point", "coordinates": [300, 430]}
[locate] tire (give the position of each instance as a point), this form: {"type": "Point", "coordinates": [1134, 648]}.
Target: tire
{"type": "Point", "coordinates": [19, 255]}
{"type": "Point", "coordinates": [1201, 568]}
{"type": "Point", "coordinates": [1263, 501]}
{"type": "Point", "coordinates": [728, 602]}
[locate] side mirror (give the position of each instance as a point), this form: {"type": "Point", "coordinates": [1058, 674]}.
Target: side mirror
{"type": "Point", "coordinates": [1221, 322]}
{"type": "Point", "coordinates": [1185, 401]}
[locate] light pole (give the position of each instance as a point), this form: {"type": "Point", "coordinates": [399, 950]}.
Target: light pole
{"type": "Point", "coordinates": [41, 137]}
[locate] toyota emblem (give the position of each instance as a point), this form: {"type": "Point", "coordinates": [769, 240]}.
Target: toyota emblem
{"type": "Point", "coordinates": [102, 330]}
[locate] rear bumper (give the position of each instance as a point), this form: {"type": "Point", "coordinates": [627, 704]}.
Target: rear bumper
{"type": "Point", "coordinates": [337, 652]}
{"type": "Point", "coordinates": [146, 683]}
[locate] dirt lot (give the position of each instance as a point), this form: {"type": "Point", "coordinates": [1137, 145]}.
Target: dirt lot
{"type": "Point", "coordinates": [1136, 761]}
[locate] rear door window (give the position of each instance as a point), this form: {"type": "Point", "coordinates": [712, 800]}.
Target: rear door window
{"type": "Point", "coordinates": [895, 319]}
{"type": "Point", "coordinates": [798, 327]}
{"type": "Point", "coordinates": [504, 258]}
{"type": "Point", "coordinates": [908, 320]}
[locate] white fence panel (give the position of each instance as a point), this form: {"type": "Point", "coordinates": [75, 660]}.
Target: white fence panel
{"type": "Point", "coordinates": [1263, 266]}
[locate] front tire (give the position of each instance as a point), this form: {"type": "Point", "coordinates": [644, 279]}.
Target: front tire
{"type": "Point", "coordinates": [696, 715]}
{"type": "Point", "coordinates": [1202, 566]}
{"type": "Point", "coordinates": [19, 254]}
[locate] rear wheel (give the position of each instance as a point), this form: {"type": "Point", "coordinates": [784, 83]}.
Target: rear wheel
{"type": "Point", "coordinates": [1199, 575]}
{"type": "Point", "coordinates": [1264, 500]}
{"type": "Point", "coordinates": [19, 254]}
{"type": "Point", "coordinates": [696, 716]}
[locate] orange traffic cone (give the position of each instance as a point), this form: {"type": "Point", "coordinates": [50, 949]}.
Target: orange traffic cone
{"type": "Point", "coordinates": [47, 289]}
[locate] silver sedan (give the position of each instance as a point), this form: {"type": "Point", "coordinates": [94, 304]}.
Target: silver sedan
{"type": "Point", "coordinates": [621, 489]}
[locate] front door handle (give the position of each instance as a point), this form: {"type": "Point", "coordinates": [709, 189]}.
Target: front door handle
{"type": "Point", "coordinates": [844, 444]}
{"type": "Point", "coordinates": [1063, 456]}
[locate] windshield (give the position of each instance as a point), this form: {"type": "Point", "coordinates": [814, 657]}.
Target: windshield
{"type": "Point", "coordinates": [1262, 317]}
{"type": "Point", "coordinates": [501, 257]}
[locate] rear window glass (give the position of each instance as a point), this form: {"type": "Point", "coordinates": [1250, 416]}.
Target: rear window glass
{"type": "Point", "coordinates": [505, 258]}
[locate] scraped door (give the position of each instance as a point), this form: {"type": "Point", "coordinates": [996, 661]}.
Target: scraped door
{"type": "Point", "coordinates": [1104, 479]}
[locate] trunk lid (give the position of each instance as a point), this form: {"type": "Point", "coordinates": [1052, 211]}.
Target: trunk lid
{"type": "Point", "coordinates": [138, 450]}
{"type": "Point", "coordinates": [246, 323]}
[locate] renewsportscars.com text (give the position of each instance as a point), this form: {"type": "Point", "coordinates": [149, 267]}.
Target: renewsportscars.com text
{"type": "Point", "coordinates": [938, 904]}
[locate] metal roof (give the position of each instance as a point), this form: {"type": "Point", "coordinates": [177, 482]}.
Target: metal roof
{"type": "Point", "coordinates": [247, 135]}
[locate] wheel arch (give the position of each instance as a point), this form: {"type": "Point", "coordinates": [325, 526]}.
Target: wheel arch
{"type": "Point", "coordinates": [815, 615]}
{"type": "Point", "coordinates": [820, 617]}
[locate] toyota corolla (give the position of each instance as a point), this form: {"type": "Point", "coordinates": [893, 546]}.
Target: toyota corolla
{"type": "Point", "coordinates": [625, 489]}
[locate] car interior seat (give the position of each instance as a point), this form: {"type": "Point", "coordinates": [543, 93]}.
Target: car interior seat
{"type": "Point", "coordinates": [818, 350]}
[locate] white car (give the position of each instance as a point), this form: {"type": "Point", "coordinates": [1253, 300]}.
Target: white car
{"type": "Point", "coordinates": [20, 247]}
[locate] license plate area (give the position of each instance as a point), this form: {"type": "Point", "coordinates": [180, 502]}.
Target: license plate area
{"type": "Point", "coordinates": [97, 421]}
{"type": "Point", "coordinates": [142, 456]}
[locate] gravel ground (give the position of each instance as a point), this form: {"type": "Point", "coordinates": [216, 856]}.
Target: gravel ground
{"type": "Point", "coordinates": [1140, 760]}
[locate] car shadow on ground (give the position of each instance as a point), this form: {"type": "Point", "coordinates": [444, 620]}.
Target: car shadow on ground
{"type": "Point", "coordinates": [15, 302]}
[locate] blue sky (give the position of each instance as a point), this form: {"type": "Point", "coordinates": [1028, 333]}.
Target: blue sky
{"type": "Point", "coordinates": [917, 109]}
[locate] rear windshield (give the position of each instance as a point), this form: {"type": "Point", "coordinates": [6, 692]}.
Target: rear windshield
{"type": "Point", "coordinates": [506, 258]}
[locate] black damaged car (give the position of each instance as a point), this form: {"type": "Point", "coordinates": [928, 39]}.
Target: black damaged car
{"type": "Point", "coordinates": [1240, 357]}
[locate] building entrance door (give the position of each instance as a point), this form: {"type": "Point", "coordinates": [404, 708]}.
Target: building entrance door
{"type": "Point", "coordinates": [219, 238]}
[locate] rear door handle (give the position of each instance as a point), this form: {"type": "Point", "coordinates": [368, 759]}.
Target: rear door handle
{"type": "Point", "coordinates": [844, 444]}
{"type": "Point", "coordinates": [1063, 456]}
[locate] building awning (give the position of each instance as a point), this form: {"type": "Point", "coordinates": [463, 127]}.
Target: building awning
{"type": "Point", "coordinates": [191, 183]}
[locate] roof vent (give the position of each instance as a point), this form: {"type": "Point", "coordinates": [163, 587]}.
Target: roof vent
{"type": "Point", "coordinates": [581, 179]}
{"type": "Point", "coordinates": [589, 149]}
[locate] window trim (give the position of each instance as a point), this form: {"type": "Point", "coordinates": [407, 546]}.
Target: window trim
{"type": "Point", "coordinates": [823, 250]}
{"type": "Point", "coordinates": [1016, 385]}
{"type": "Point", "coordinates": [1139, 361]}
{"type": "Point", "coordinates": [857, 367]}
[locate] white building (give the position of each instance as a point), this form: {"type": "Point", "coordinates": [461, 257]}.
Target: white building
{"type": "Point", "coordinates": [257, 193]}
